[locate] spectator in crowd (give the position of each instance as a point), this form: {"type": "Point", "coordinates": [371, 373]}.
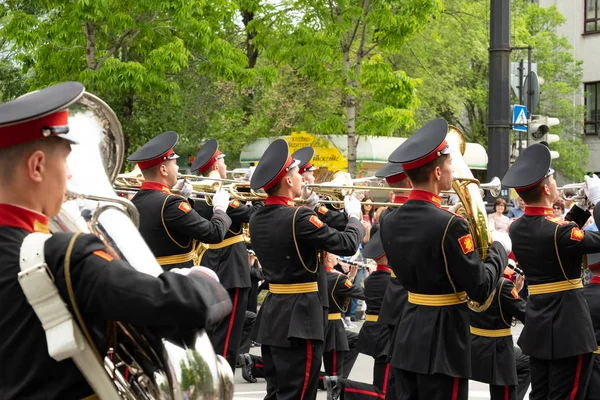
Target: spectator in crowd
{"type": "Point", "coordinates": [558, 208]}
{"type": "Point", "coordinates": [391, 196]}
{"type": "Point", "coordinates": [497, 220]}
{"type": "Point", "coordinates": [368, 211]}
{"type": "Point", "coordinates": [515, 212]}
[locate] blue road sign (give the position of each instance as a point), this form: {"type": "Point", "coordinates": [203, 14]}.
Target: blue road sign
{"type": "Point", "coordinates": [520, 117]}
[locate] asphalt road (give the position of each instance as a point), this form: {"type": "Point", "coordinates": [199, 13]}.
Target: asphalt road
{"type": "Point", "coordinates": [362, 371]}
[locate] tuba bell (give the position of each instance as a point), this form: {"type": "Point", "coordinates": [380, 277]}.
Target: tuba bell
{"type": "Point", "coordinates": [472, 208]}
{"type": "Point", "coordinates": [137, 365]}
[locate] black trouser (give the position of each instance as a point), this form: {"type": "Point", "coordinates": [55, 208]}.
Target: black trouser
{"type": "Point", "coordinates": [292, 373]}
{"type": "Point", "coordinates": [414, 386]}
{"type": "Point", "coordinates": [246, 341]}
{"type": "Point", "coordinates": [352, 390]}
{"type": "Point", "coordinates": [593, 389]}
{"type": "Point", "coordinates": [523, 373]}
{"type": "Point", "coordinates": [503, 392]}
{"type": "Point", "coordinates": [563, 378]}
{"type": "Point", "coordinates": [226, 335]}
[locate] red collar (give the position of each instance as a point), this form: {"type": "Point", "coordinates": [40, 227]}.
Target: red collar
{"type": "Point", "coordinates": [398, 199]}
{"type": "Point", "coordinates": [424, 195]}
{"type": "Point", "coordinates": [281, 200]}
{"type": "Point", "coordinates": [381, 267]}
{"type": "Point", "coordinates": [595, 279]}
{"type": "Point", "coordinates": [330, 269]}
{"type": "Point", "coordinates": [538, 211]}
{"type": "Point", "coordinates": [23, 218]}
{"type": "Point", "coordinates": [155, 186]}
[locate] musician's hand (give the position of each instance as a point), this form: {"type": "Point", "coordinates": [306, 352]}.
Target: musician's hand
{"type": "Point", "coordinates": [454, 207]}
{"type": "Point", "coordinates": [352, 206]}
{"type": "Point", "coordinates": [207, 272]}
{"type": "Point", "coordinates": [353, 271]}
{"type": "Point", "coordinates": [345, 267]}
{"type": "Point", "coordinates": [592, 188]}
{"type": "Point", "coordinates": [519, 282]}
{"type": "Point", "coordinates": [503, 239]}
{"type": "Point", "coordinates": [306, 192]}
{"type": "Point", "coordinates": [185, 188]}
{"type": "Point", "coordinates": [312, 201]}
{"type": "Point", "coordinates": [220, 200]}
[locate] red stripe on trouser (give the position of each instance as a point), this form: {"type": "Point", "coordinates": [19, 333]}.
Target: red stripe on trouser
{"type": "Point", "coordinates": [231, 319]}
{"type": "Point", "coordinates": [577, 374]}
{"type": "Point", "coordinates": [308, 365]}
{"type": "Point", "coordinates": [505, 392]}
{"type": "Point", "coordinates": [258, 365]}
{"type": "Point", "coordinates": [455, 389]}
{"type": "Point", "coordinates": [368, 393]}
{"type": "Point", "coordinates": [334, 363]}
{"type": "Point", "coordinates": [386, 377]}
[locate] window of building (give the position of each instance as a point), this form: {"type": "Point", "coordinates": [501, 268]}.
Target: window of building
{"type": "Point", "coordinates": [592, 116]}
{"type": "Point", "coordinates": [592, 23]}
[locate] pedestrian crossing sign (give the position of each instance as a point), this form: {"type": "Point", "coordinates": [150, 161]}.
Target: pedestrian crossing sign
{"type": "Point", "coordinates": [520, 118]}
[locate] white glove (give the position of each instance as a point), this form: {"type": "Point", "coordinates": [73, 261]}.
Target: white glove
{"type": "Point", "coordinates": [306, 192]}
{"type": "Point", "coordinates": [592, 188]}
{"type": "Point", "coordinates": [503, 239]}
{"type": "Point", "coordinates": [220, 200]}
{"type": "Point", "coordinates": [196, 270]}
{"type": "Point", "coordinates": [454, 207]}
{"type": "Point", "coordinates": [352, 206]}
{"type": "Point", "coordinates": [312, 201]}
{"type": "Point", "coordinates": [185, 188]}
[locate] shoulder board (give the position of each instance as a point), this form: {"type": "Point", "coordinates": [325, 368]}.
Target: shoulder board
{"type": "Point", "coordinates": [558, 222]}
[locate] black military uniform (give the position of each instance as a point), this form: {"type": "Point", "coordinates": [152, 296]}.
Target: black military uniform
{"type": "Point", "coordinates": [338, 356]}
{"type": "Point", "coordinates": [559, 336]}
{"type": "Point", "coordinates": [433, 255]}
{"type": "Point", "coordinates": [492, 351]}
{"type": "Point", "coordinates": [286, 240]}
{"type": "Point", "coordinates": [168, 222]}
{"type": "Point", "coordinates": [105, 289]}
{"type": "Point", "coordinates": [591, 293]}
{"type": "Point", "coordinates": [229, 260]}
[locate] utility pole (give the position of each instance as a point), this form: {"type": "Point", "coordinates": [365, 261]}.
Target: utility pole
{"type": "Point", "coordinates": [499, 91]}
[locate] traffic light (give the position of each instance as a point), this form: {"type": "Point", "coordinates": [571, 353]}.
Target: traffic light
{"type": "Point", "coordinates": [538, 130]}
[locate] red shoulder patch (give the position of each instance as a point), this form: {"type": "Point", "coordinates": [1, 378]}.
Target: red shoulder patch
{"type": "Point", "coordinates": [348, 283]}
{"type": "Point", "coordinates": [466, 243]}
{"type": "Point", "coordinates": [323, 210]}
{"type": "Point", "coordinates": [316, 221]}
{"type": "Point", "coordinates": [577, 234]}
{"type": "Point", "coordinates": [185, 207]}
{"type": "Point", "coordinates": [104, 255]}
{"type": "Point", "coordinates": [234, 204]}
{"type": "Point", "coordinates": [514, 293]}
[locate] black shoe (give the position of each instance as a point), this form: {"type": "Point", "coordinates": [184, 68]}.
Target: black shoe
{"type": "Point", "coordinates": [333, 388]}
{"type": "Point", "coordinates": [247, 365]}
{"type": "Point", "coordinates": [239, 362]}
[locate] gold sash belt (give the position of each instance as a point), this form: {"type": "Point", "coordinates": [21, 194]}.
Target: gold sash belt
{"type": "Point", "coordinates": [175, 259]}
{"type": "Point", "coordinates": [371, 317]}
{"type": "Point", "coordinates": [437, 300]}
{"type": "Point", "coordinates": [555, 287]}
{"type": "Point", "coordinates": [293, 288]}
{"type": "Point", "coordinates": [334, 316]}
{"type": "Point", "coordinates": [227, 242]}
{"type": "Point", "coordinates": [491, 332]}
{"type": "Point", "coordinates": [597, 351]}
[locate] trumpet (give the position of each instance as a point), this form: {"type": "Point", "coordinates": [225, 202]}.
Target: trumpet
{"type": "Point", "coordinates": [578, 187]}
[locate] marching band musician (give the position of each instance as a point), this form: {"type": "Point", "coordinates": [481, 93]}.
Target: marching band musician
{"type": "Point", "coordinates": [286, 239]}
{"type": "Point", "coordinates": [34, 145]}
{"type": "Point", "coordinates": [373, 338]}
{"type": "Point", "coordinates": [168, 223]}
{"type": "Point", "coordinates": [395, 297]}
{"type": "Point", "coordinates": [591, 293]}
{"type": "Point", "coordinates": [228, 258]}
{"type": "Point", "coordinates": [432, 253]}
{"type": "Point", "coordinates": [493, 357]}
{"type": "Point", "coordinates": [558, 337]}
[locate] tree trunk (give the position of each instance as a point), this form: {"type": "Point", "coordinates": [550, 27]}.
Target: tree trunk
{"type": "Point", "coordinates": [350, 104]}
{"type": "Point", "coordinates": [252, 54]}
{"type": "Point", "coordinates": [89, 29]}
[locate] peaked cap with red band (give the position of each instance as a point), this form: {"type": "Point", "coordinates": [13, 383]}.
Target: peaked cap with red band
{"type": "Point", "coordinates": [273, 165]}
{"type": "Point", "coordinates": [392, 173]}
{"type": "Point", "coordinates": [157, 150]}
{"type": "Point", "coordinates": [304, 156]}
{"type": "Point", "coordinates": [530, 168]}
{"type": "Point", "coordinates": [424, 146]}
{"type": "Point", "coordinates": [39, 115]}
{"type": "Point", "coordinates": [207, 156]}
